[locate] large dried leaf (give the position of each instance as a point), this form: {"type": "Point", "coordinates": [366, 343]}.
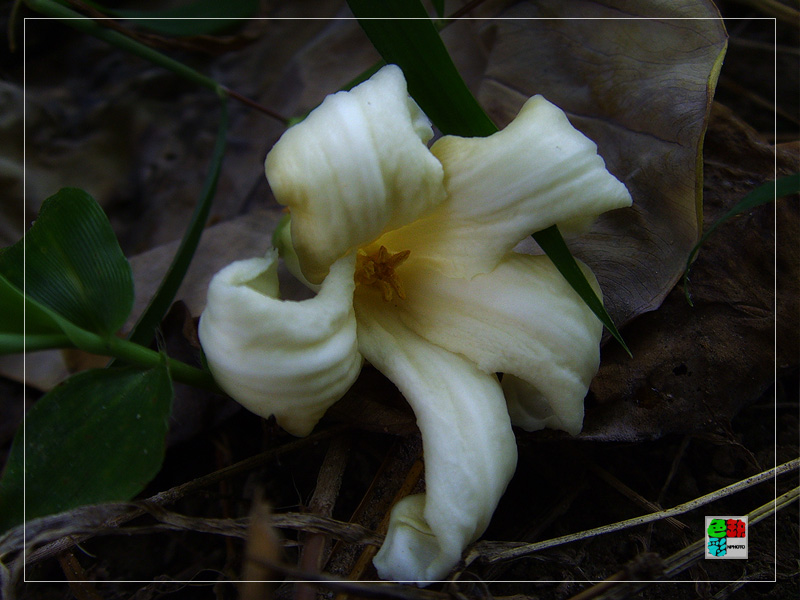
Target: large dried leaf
{"type": "Point", "coordinates": [641, 89]}
{"type": "Point", "coordinates": [694, 367]}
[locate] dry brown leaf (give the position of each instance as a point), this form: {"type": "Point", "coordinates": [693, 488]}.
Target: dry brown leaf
{"type": "Point", "coordinates": [641, 89]}
{"type": "Point", "coordinates": [695, 367]}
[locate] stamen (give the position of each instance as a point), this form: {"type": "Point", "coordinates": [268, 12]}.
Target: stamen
{"type": "Point", "coordinates": [378, 270]}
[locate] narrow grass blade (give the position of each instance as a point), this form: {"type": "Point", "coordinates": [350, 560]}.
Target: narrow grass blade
{"type": "Point", "coordinates": [551, 241]}
{"type": "Point", "coordinates": [404, 35]}
{"type": "Point", "coordinates": [145, 327]}
{"type": "Point", "coordinates": [763, 194]}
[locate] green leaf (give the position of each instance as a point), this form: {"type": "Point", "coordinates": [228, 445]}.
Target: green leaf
{"type": "Point", "coordinates": [201, 17]}
{"type": "Point", "coordinates": [553, 244]}
{"type": "Point", "coordinates": [24, 324]}
{"type": "Point", "coordinates": [70, 261]}
{"type": "Point", "coordinates": [404, 35]}
{"type": "Point", "coordinates": [144, 328]}
{"type": "Point", "coordinates": [401, 31]}
{"type": "Point", "coordinates": [761, 195]}
{"type": "Point", "coordinates": [97, 437]}
{"type": "Point", "coordinates": [47, 329]}
{"type": "Point", "coordinates": [14, 305]}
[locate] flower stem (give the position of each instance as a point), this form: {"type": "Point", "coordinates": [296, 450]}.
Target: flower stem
{"type": "Point", "coordinates": [136, 354]}
{"type": "Point", "coordinates": [145, 357]}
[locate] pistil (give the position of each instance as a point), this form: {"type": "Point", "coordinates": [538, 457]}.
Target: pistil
{"type": "Point", "coordinates": [378, 270]}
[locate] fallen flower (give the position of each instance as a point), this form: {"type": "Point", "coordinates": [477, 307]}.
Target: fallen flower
{"type": "Point", "coordinates": [411, 252]}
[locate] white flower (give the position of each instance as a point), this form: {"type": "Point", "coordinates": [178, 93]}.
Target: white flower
{"type": "Point", "coordinates": [411, 251]}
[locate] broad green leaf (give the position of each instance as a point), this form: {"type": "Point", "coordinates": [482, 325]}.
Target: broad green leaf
{"type": "Point", "coordinates": [14, 304]}
{"type": "Point", "coordinates": [24, 324]}
{"type": "Point", "coordinates": [761, 195]}
{"type": "Point", "coordinates": [70, 261]}
{"type": "Point", "coordinates": [401, 31]}
{"type": "Point", "coordinates": [97, 437]}
{"type": "Point", "coordinates": [199, 17]}
{"type": "Point", "coordinates": [45, 328]}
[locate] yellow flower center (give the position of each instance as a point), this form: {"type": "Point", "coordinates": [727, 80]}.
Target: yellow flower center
{"type": "Point", "coordinates": [378, 270]}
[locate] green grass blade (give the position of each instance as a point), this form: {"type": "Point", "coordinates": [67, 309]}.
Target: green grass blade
{"type": "Point", "coordinates": [551, 241]}
{"type": "Point", "coordinates": [98, 437]}
{"type": "Point", "coordinates": [145, 327]}
{"type": "Point", "coordinates": [404, 35]}
{"type": "Point", "coordinates": [763, 194]}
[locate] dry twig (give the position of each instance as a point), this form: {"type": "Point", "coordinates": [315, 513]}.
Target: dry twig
{"type": "Point", "coordinates": [493, 552]}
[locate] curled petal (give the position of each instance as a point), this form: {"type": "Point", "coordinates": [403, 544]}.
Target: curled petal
{"type": "Point", "coordinates": [282, 242]}
{"type": "Point", "coordinates": [531, 410]}
{"type": "Point", "coordinates": [355, 167]}
{"type": "Point", "coordinates": [538, 171]}
{"type": "Point", "coordinates": [470, 451]}
{"type": "Point", "coordinates": [290, 359]}
{"type": "Point", "coordinates": [522, 319]}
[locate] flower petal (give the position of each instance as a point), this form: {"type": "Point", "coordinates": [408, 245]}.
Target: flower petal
{"type": "Point", "coordinates": [290, 359]}
{"type": "Point", "coordinates": [522, 319]}
{"type": "Point", "coordinates": [470, 451]}
{"type": "Point", "coordinates": [354, 168]}
{"type": "Point", "coordinates": [536, 172]}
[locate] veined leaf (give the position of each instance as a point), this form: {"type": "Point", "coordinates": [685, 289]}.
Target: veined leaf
{"type": "Point", "coordinates": [97, 437]}
{"type": "Point", "coordinates": [70, 262]}
{"type": "Point", "coordinates": [24, 324]}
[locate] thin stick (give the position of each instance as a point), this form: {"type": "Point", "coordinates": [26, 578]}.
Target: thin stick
{"type": "Point", "coordinates": [77, 578]}
{"type": "Point", "coordinates": [329, 481]}
{"type": "Point", "coordinates": [492, 555]}
{"type": "Point", "coordinates": [633, 495]}
{"type": "Point", "coordinates": [176, 493]}
{"type": "Point", "coordinates": [253, 104]}
{"type": "Point", "coordinates": [360, 589]}
{"type": "Point", "coordinates": [688, 556]}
